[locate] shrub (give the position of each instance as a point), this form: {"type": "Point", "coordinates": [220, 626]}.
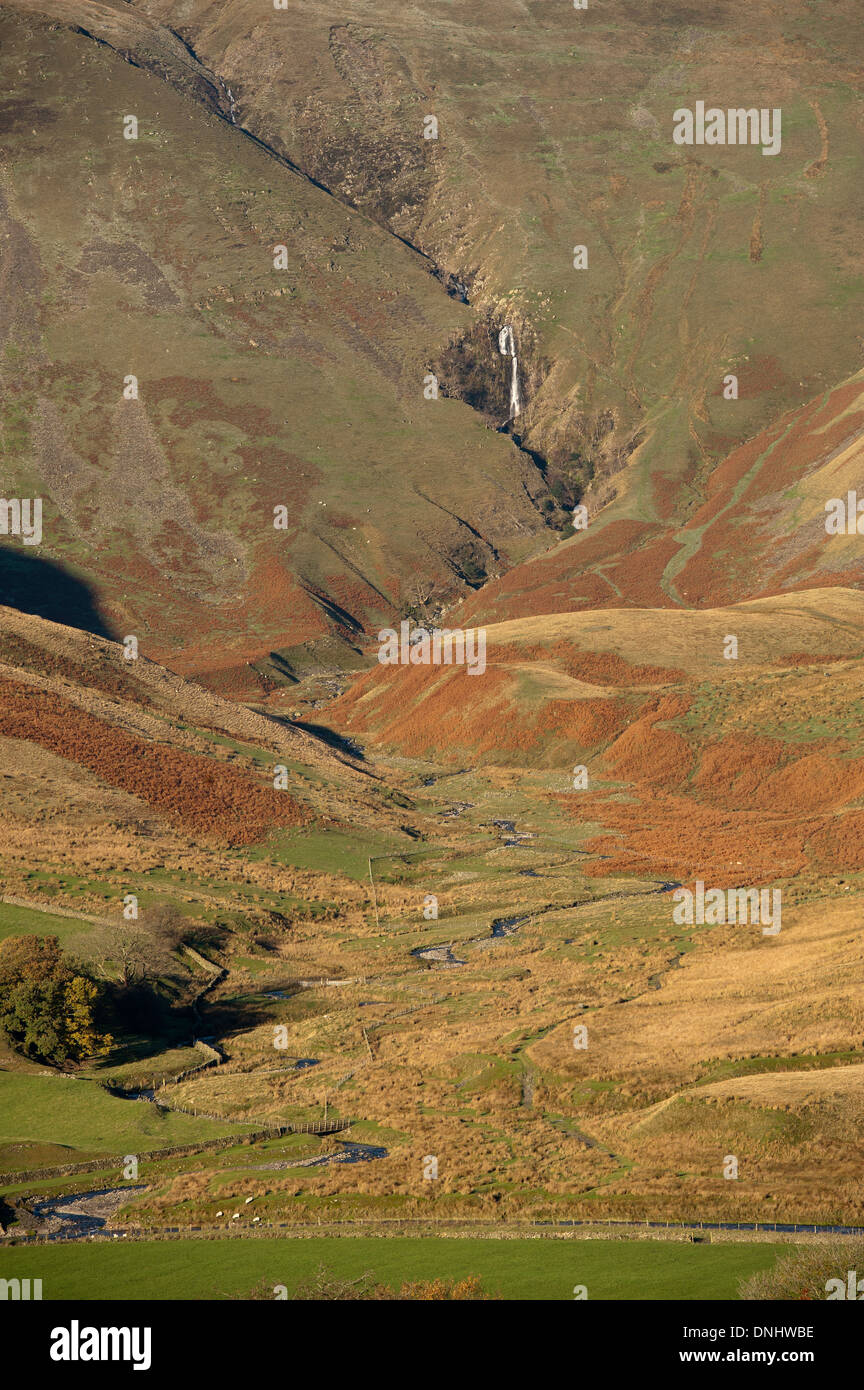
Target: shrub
{"type": "Point", "coordinates": [805, 1272]}
{"type": "Point", "coordinates": [324, 1286]}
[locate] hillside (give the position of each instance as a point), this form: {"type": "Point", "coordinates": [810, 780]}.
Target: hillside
{"type": "Point", "coordinates": [115, 767]}
{"type": "Point", "coordinates": [555, 131]}
{"type": "Point", "coordinates": [761, 528]}
{"type": "Point", "coordinates": [258, 388]}
{"type": "Point", "coordinates": [284, 373]}
{"type": "Point", "coordinates": [392, 501]}
{"type": "Point", "coordinates": [741, 767]}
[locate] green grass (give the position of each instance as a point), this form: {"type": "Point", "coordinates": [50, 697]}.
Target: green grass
{"type": "Point", "coordinates": [26, 1155]}
{"type": "Point", "coordinates": [62, 1110]}
{"type": "Point", "coordinates": [25, 921]}
{"type": "Point", "coordinates": [328, 851]}
{"type": "Point", "coordinates": [517, 1269]}
{"type": "Point", "coordinates": [750, 1066]}
{"type": "Point", "coordinates": [144, 1061]}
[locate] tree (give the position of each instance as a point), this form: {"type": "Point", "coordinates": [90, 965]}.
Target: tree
{"type": "Point", "coordinates": [138, 951]}
{"type": "Point", "coordinates": [83, 1037]}
{"type": "Point", "coordinates": [46, 1006]}
{"type": "Point", "coordinates": [29, 957]}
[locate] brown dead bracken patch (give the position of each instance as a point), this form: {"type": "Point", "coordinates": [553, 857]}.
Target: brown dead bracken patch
{"type": "Point", "coordinates": [197, 794]}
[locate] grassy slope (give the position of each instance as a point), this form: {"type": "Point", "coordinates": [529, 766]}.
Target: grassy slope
{"type": "Point", "coordinates": [21, 921]}
{"type": "Point", "coordinates": [81, 834]}
{"type": "Point", "coordinates": [518, 1269]}
{"type": "Point", "coordinates": [81, 1114]}
{"type": "Point", "coordinates": [561, 681]}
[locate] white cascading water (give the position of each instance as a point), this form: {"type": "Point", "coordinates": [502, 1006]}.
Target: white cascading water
{"type": "Point", "coordinates": [232, 109]}
{"type": "Point", "coordinates": [507, 348]}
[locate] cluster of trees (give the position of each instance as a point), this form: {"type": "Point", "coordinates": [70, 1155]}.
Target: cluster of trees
{"type": "Point", "coordinates": [54, 1008]}
{"type": "Point", "coordinates": [47, 1004]}
{"type": "Point", "coordinates": [59, 1010]}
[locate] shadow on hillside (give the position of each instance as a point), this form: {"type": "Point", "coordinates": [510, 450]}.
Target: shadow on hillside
{"type": "Point", "coordinates": [331, 738]}
{"type": "Point", "coordinates": [240, 1013]}
{"type": "Point", "coordinates": [42, 587]}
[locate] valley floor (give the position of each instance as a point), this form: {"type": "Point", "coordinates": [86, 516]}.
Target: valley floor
{"type": "Point", "coordinates": [433, 1018]}
{"type": "Point", "coordinates": [450, 989]}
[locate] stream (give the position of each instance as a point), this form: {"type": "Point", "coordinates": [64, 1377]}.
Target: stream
{"type": "Point", "coordinates": [349, 1152]}
{"type": "Point", "coordinates": [502, 927]}
{"type": "Point", "coordinates": [77, 1214]}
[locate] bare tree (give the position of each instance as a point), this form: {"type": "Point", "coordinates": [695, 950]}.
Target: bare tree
{"type": "Point", "coordinates": [140, 950]}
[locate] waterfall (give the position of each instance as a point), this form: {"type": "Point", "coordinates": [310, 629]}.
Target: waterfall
{"type": "Point", "coordinates": [507, 348]}
{"type": "Point", "coordinates": [227, 92]}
